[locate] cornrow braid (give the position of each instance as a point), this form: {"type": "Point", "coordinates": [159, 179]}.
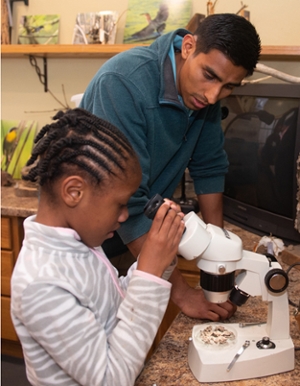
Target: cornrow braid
{"type": "Point", "coordinates": [78, 139]}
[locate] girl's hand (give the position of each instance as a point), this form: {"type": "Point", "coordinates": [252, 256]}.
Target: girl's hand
{"type": "Point", "coordinates": [161, 244]}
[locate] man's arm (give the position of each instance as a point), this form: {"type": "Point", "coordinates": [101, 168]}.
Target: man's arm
{"type": "Point", "coordinates": [211, 207]}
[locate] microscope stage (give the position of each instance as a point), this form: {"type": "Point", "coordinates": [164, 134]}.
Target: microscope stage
{"type": "Point", "coordinates": [209, 361]}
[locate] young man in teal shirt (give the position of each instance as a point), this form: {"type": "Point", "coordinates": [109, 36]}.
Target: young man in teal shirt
{"type": "Point", "coordinates": [165, 98]}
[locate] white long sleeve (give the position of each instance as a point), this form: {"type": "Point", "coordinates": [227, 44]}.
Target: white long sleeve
{"type": "Point", "coordinates": [74, 325]}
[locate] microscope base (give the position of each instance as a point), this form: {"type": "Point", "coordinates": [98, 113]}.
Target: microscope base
{"type": "Point", "coordinates": [209, 363]}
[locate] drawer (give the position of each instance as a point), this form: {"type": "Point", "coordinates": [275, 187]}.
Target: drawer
{"type": "Point", "coordinates": [7, 264]}
{"type": "Point", "coordinates": [6, 233]}
{"type": "Point", "coordinates": [7, 328]}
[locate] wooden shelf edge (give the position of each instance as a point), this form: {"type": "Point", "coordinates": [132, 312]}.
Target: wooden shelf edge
{"type": "Point", "coordinates": [106, 51]}
{"type": "Point", "coordinates": [64, 50]}
{"type": "Point", "coordinates": [280, 52]}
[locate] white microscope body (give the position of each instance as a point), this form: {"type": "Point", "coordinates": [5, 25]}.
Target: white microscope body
{"type": "Point", "coordinates": [228, 271]}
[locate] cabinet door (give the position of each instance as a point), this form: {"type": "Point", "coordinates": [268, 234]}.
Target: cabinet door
{"type": "Point", "coordinates": [6, 233]}
{"type": "Point", "coordinates": [7, 328]}
{"type": "Point", "coordinates": [7, 263]}
{"type": "Point", "coordinates": [12, 234]}
{"type": "Point", "coordinates": [11, 239]}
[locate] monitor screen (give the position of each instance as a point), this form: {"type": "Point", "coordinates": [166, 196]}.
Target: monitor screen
{"type": "Point", "coordinates": [262, 143]}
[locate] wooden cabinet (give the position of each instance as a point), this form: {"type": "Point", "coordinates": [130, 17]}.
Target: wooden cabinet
{"type": "Point", "coordinates": [11, 240]}
{"type": "Point", "coordinates": [7, 264]}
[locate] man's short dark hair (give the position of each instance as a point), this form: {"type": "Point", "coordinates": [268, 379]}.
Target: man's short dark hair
{"type": "Point", "coordinates": [231, 34]}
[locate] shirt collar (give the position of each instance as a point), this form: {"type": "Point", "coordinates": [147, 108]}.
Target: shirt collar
{"type": "Point", "coordinates": [176, 46]}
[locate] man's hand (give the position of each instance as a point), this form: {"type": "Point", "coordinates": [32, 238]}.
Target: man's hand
{"type": "Point", "coordinates": [192, 301]}
{"type": "Point", "coordinates": [196, 306]}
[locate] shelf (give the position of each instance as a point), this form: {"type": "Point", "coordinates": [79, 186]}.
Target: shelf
{"type": "Point", "coordinates": [107, 51]}
{"type": "Point", "coordinates": [64, 50]}
{"type": "Point", "coordinates": [280, 52]}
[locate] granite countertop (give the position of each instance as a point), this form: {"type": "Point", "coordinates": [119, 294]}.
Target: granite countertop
{"type": "Point", "coordinates": [12, 205]}
{"type": "Point", "coordinates": [168, 366]}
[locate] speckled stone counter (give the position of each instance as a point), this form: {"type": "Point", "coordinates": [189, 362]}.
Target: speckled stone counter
{"type": "Point", "coordinates": [168, 366]}
{"type": "Point", "coordinates": [12, 205]}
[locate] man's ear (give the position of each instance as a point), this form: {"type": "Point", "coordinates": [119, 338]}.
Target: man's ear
{"type": "Point", "coordinates": [188, 46]}
{"type": "Point", "coordinates": [72, 190]}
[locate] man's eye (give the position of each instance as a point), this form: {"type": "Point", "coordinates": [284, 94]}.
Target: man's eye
{"type": "Point", "coordinates": [208, 76]}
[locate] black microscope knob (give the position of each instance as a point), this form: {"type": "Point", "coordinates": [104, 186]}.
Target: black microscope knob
{"type": "Point", "coordinates": [276, 280]}
{"type": "Point", "coordinates": [265, 343]}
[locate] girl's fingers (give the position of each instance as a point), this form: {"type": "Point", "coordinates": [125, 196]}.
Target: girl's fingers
{"type": "Point", "coordinates": [160, 216]}
{"type": "Point", "coordinates": [172, 226]}
{"type": "Point", "coordinates": [173, 205]}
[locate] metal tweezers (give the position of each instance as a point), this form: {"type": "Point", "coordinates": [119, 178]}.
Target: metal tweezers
{"type": "Point", "coordinates": [238, 354]}
{"type": "Point", "coordinates": [242, 325]}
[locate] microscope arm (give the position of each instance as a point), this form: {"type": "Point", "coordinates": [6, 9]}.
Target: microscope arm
{"type": "Point", "coordinates": [265, 278]}
{"type": "Point", "coordinates": [254, 269]}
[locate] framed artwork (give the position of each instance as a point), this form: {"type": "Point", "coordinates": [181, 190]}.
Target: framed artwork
{"type": "Point", "coordinates": [17, 139]}
{"type": "Point", "coordinates": [95, 28]}
{"type": "Point", "coordinates": [38, 29]}
{"type": "Point", "coordinates": [147, 20]}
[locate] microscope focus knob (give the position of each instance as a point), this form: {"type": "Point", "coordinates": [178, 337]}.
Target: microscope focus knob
{"type": "Point", "coordinates": [265, 343]}
{"type": "Point", "coordinates": [276, 280]}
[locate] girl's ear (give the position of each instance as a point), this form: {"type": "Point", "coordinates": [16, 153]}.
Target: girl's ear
{"type": "Point", "coordinates": [72, 190]}
{"type": "Point", "coordinates": [188, 46]}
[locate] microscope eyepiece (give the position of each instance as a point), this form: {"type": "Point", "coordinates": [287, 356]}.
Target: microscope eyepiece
{"type": "Point", "coordinates": [153, 205]}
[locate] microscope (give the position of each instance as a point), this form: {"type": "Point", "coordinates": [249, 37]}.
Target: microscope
{"type": "Point", "coordinates": [233, 351]}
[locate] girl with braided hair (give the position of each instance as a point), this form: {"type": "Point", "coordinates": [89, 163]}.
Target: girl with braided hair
{"type": "Point", "coordinates": [78, 322]}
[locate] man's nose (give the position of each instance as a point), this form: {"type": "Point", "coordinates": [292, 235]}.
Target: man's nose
{"type": "Point", "coordinates": [213, 94]}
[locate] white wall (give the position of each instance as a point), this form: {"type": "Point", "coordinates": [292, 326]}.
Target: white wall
{"type": "Point", "coordinates": [278, 21]}
{"type": "Point", "coordinates": [23, 97]}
